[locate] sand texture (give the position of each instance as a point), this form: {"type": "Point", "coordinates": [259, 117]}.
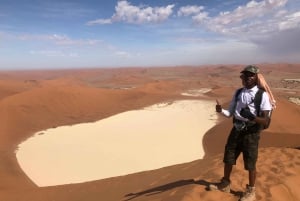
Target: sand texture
{"type": "Point", "coordinates": [33, 101]}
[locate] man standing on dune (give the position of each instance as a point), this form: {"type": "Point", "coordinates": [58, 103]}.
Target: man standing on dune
{"type": "Point", "coordinates": [248, 123]}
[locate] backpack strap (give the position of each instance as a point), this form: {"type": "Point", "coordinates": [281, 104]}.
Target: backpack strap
{"type": "Point", "coordinates": [236, 97]}
{"type": "Point", "coordinates": [257, 100]}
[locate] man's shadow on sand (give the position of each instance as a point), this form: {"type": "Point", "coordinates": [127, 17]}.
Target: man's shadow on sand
{"type": "Point", "coordinates": [170, 186]}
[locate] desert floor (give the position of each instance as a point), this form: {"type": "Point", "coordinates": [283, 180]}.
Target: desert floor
{"type": "Point", "coordinates": [32, 101]}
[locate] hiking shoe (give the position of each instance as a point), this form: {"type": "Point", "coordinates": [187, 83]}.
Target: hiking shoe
{"type": "Point", "coordinates": [224, 186]}
{"type": "Point", "coordinates": [249, 195]}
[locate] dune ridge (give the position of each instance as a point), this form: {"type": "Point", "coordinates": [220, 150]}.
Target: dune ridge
{"type": "Point", "coordinates": [36, 100]}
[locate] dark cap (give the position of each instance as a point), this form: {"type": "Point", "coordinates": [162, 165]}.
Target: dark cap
{"type": "Point", "coordinates": [251, 69]}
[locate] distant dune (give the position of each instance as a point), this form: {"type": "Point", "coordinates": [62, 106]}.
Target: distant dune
{"type": "Point", "coordinates": [32, 101]}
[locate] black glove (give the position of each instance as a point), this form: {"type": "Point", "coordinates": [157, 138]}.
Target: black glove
{"type": "Point", "coordinates": [245, 112]}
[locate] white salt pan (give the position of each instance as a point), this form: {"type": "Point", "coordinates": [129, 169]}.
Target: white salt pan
{"type": "Point", "coordinates": [196, 92]}
{"type": "Point", "coordinates": [133, 141]}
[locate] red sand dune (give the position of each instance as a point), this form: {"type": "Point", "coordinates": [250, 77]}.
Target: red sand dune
{"type": "Point", "coordinates": [36, 100]}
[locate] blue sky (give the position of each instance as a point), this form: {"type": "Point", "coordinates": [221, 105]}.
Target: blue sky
{"type": "Point", "coordinates": [40, 34]}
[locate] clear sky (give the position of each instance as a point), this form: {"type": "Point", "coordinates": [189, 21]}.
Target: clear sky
{"type": "Point", "coordinates": [109, 33]}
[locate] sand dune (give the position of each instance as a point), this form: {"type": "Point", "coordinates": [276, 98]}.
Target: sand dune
{"type": "Point", "coordinates": [37, 100]}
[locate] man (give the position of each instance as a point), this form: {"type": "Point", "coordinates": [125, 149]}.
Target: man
{"type": "Point", "coordinates": [245, 134]}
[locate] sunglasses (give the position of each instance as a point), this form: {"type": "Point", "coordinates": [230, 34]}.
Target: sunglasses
{"type": "Point", "coordinates": [247, 74]}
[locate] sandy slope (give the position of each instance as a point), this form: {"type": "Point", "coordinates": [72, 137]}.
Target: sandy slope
{"type": "Point", "coordinates": [33, 101]}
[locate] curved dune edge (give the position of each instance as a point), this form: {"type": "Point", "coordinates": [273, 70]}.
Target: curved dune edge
{"type": "Point", "coordinates": [119, 145]}
{"type": "Point", "coordinates": [24, 104]}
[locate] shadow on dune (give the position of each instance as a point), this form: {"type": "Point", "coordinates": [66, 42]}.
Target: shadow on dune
{"type": "Point", "coordinates": [165, 187]}
{"type": "Point", "coordinates": [172, 185]}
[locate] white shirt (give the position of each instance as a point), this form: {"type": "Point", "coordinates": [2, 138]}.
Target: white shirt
{"type": "Point", "coordinates": [246, 98]}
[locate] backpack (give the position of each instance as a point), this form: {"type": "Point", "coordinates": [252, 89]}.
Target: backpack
{"type": "Point", "coordinates": [257, 102]}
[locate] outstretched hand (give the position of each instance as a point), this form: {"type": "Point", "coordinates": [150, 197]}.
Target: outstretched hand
{"type": "Point", "coordinates": [218, 106]}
